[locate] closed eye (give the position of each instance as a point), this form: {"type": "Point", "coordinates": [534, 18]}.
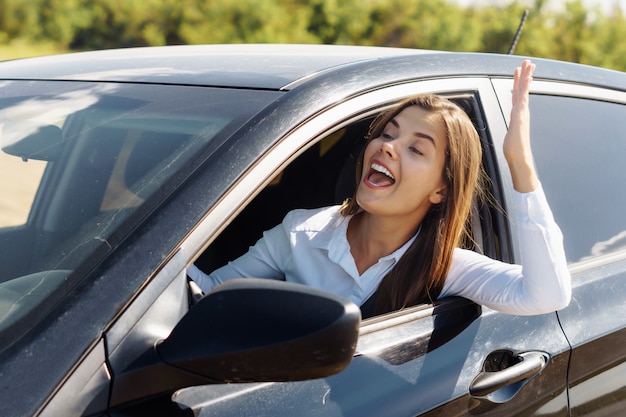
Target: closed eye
{"type": "Point", "coordinates": [415, 150]}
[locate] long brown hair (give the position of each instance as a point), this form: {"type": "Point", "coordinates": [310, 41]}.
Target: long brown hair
{"type": "Point", "coordinates": [420, 273]}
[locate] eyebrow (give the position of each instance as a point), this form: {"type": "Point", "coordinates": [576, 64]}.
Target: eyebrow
{"type": "Point", "coordinates": [416, 134]}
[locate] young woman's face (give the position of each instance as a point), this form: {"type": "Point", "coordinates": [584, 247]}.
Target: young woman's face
{"type": "Point", "coordinates": [402, 168]}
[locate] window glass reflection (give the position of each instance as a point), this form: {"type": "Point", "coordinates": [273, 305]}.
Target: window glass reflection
{"type": "Point", "coordinates": [579, 147]}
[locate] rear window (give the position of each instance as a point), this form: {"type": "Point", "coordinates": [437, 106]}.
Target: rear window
{"type": "Point", "coordinates": [79, 160]}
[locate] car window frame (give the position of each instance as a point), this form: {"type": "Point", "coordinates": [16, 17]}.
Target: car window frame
{"type": "Point", "coordinates": [324, 123]}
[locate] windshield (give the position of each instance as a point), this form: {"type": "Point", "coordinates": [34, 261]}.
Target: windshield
{"type": "Point", "coordinates": [79, 159]}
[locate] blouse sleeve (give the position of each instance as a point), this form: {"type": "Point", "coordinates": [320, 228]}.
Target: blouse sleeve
{"type": "Point", "coordinates": [542, 282]}
{"type": "Point", "coordinates": [263, 260]}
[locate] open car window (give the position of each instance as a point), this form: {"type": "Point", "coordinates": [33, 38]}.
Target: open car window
{"type": "Point", "coordinates": [324, 175]}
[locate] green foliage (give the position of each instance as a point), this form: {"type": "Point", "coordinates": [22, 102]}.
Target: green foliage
{"type": "Point", "coordinates": [571, 32]}
{"type": "Point", "coordinates": [243, 21]}
{"type": "Point", "coordinates": [499, 25]}
{"type": "Point", "coordinates": [336, 21]}
{"type": "Point", "coordinates": [427, 24]}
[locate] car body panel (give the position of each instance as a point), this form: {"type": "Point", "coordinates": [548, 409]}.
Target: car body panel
{"type": "Point", "coordinates": [260, 66]}
{"type": "Point", "coordinates": [598, 339]}
{"type": "Point", "coordinates": [211, 65]}
{"type": "Point", "coordinates": [401, 371]}
{"type": "Point", "coordinates": [86, 391]}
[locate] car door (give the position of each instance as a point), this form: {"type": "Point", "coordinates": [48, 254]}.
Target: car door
{"type": "Point", "coordinates": [579, 144]}
{"type": "Point", "coordinates": [451, 358]}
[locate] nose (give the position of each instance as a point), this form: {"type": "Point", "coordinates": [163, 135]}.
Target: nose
{"type": "Point", "coordinates": [388, 147]}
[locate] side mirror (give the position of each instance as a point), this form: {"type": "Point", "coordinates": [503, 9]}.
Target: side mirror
{"type": "Point", "coordinates": [248, 330]}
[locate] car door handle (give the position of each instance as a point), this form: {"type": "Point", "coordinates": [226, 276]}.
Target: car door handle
{"type": "Point", "coordinates": [529, 365]}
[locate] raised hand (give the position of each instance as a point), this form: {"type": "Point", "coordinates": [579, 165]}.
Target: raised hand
{"type": "Point", "coordinates": [517, 149]}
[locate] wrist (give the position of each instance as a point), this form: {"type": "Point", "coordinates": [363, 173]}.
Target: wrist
{"type": "Point", "coordinates": [523, 175]}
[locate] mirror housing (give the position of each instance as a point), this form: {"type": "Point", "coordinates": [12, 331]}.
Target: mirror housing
{"type": "Point", "coordinates": [248, 330]}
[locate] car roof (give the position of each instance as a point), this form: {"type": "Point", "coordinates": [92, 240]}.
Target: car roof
{"type": "Point", "coordinates": [283, 67]}
{"type": "Point", "coordinates": [265, 66]}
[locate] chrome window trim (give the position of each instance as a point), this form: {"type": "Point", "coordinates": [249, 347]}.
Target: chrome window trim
{"type": "Point", "coordinates": [503, 90]}
{"type": "Point", "coordinates": [597, 262]}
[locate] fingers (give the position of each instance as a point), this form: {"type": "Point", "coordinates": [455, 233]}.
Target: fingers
{"type": "Point", "coordinates": [516, 77]}
{"type": "Point", "coordinates": [528, 68]}
{"type": "Point", "coordinates": [517, 140]}
{"type": "Point", "coordinates": [522, 77]}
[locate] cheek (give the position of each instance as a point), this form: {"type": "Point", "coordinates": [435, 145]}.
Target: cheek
{"type": "Point", "coordinates": [371, 147]}
{"type": "Point", "coordinates": [370, 150]}
{"type": "Point", "coordinates": [426, 176]}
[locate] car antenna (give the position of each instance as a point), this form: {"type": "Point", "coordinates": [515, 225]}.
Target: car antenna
{"type": "Point", "coordinates": [518, 33]}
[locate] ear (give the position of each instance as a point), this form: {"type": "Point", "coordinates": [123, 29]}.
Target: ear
{"type": "Point", "coordinates": [437, 196]}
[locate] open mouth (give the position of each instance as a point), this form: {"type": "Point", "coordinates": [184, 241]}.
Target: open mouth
{"type": "Point", "coordinates": [380, 176]}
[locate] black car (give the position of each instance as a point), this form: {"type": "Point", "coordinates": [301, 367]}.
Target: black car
{"type": "Point", "coordinates": [121, 168]}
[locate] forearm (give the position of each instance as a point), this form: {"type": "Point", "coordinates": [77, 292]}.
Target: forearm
{"type": "Point", "coordinates": [517, 150]}
{"type": "Point", "coordinates": [523, 173]}
{"type": "Point", "coordinates": [259, 262]}
{"type": "Point", "coordinates": [546, 276]}
{"type": "Point", "coordinates": [542, 282]}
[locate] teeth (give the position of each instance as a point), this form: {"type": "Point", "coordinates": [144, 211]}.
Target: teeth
{"type": "Point", "coordinates": [382, 170]}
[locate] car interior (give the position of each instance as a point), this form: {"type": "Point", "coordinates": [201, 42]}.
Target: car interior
{"type": "Point", "coordinates": [128, 157]}
{"type": "Point", "coordinates": [117, 166]}
{"type": "Point", "coordinates": [325, 174]}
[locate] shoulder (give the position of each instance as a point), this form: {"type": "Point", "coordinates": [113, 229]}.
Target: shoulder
{"type": "Point", "coordinates": [312, 220]}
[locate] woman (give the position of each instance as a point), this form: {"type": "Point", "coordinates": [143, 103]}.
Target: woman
{"type": "Point", "coordinates": [399, 235]}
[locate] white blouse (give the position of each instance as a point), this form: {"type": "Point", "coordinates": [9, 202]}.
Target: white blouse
{"type": "Point", "coordinates": [311, 247]}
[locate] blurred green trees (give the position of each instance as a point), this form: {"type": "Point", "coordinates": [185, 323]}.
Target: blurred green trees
{"type": "Point", "coordinates": [571, 32]}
